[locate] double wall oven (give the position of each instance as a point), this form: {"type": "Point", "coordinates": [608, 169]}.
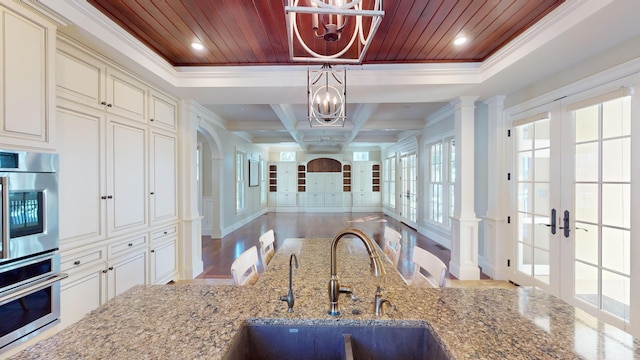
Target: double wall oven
{"type": "Point", "coordinates": [29, 263]}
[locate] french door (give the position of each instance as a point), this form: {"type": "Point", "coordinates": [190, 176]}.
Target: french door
{"type": "Point", "coordinates": [408, 196]}
{"type": "Point", "coordinates": [572, 205]}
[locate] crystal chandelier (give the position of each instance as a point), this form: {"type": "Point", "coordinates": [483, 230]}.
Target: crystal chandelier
{"type": "Point", "coordinates": [327, 91]}
{"type": "Point", "coordinates": [345, 29]}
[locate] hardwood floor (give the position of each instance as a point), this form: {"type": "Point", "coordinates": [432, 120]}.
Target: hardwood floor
{"type": "Point", "coordinates": [218, 254]}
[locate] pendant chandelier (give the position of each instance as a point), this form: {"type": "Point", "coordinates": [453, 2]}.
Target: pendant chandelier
{"type": "Point", "coordinates": [331, 31]}
{"type": "Point", "coordinates": [327, 91]}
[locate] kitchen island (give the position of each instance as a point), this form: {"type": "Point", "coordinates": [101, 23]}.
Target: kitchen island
{"type": "Point", "coordinates": [200, 322]}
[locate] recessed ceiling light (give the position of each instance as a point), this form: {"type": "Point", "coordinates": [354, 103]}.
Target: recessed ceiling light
{"type": "Point", "coordinates": [460, 40]}
{"type": "Point", "coordinates": [197, 45]}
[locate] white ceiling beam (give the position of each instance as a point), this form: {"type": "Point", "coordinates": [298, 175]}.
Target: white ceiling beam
{"type": "Point", "coordinates": [288, 118]}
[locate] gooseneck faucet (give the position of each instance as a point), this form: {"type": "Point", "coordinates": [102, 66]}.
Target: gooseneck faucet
{"type": "Point", "coordinates": [334, 285]}
{"type": "Point", "coordinates": [289, 298]}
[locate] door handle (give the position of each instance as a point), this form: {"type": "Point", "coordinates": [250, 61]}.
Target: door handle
{"type": "Point", "coordinates": [565, 224]}
{"type": "Point", "coordinates": [553, 222]}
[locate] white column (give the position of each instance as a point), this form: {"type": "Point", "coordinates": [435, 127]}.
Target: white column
{"type": "Point", "coordinates": [495, 218]}
{"type": "Point", "coordinates": [191, 264]}
{"type": "Point", "coordinates": [464, 224]}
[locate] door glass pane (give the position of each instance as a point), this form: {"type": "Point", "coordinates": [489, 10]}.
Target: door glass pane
{"type": "Point", "coordinates": [525, 134]}
{"type": "Point", "coordinates": [615, 294]}
{"type": "Point", "coordinates": [586, 207]}
{"type": "Point", "coordinates": [586, 283]}
{"type": "Point", "coordinates": [541, 270]}
{"type": "Point", "coordinates": [586, 243]}
{"type": "Point", "coordinates": [586, 124]}
{"type": "Point", "coordinates": [542, 158]}
{"type": "Point", "coordinates": [618, 164]}
{"type": "Point", "coordinates": [615, 204]}
{"type": "Point", "coordinates": [541, 200]}
{"type": "Point", "coordinates": [616, 117]}
{"type": "Point", "coordinates": [524, 162]}
{"type": "Point", "coordinates": [586, 159]}
{"type": "Point", "coordinates": [543, 134]}
{"type": "Point", "coordinates": [615, 249]}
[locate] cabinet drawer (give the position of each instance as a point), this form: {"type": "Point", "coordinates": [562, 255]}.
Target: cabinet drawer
{"type": "Point", "coordinates": [82, 259]}
{"type": "Point", "coordinates": [126, 245]}
{"type": "Point", "coordinates": [162, 232]}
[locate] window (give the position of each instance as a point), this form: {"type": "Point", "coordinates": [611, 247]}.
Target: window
{"type": "Point", "coordinates": [360, 156]}
{"type": "Point", "coordinates": [288, 156]}
{"type": "Point", "coordinates": [263, 182]}
{"type": "Point", "coordinates": [441, 180]}
{"type": "Point", "coordinates": [389, 181]}
{"type": "Point", "coordinates": [240, 181]}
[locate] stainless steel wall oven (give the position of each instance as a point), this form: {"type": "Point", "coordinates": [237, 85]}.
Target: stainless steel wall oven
{"type": "Point", "coordinates": [29, 265]}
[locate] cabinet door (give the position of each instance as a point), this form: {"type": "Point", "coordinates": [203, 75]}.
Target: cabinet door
{"type": "Point", "coordinates": [164, 262]}
{"type": "Point", "coordinates": [79, 76]}
{"type": "Point", "coordinates": [163, 177]}
{"type": "Point", "coordinates": [27, 88]}
{"type": "Point", "coordinates": [126, 96]}
{"type": "Point", "coordinates": [80, 294]}
{"type": "Point", "coordinates": [81, 178]}
{"type": "Point", "coordinates": [127, 182]}
{"type": "Point", "coordinates": [127, 272]}
{"type": "Point", "coordinates": [163, 111]}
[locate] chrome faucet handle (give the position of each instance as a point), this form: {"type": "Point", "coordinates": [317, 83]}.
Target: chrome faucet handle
{"type": "Point", "coordinates": [349, 290]}
{"type": "Point", "coordinates": [289, 298]}
{"type": "Point", "coordinates": [379, 303]}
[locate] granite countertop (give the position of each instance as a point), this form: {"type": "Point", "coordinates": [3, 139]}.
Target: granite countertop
{"type": "Point", "coordinates": [200, 321]}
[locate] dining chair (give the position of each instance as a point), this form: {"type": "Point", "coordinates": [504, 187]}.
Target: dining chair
{"type": "Point", "coordinates": [392, 245]}
{"type": "Point", "coordinates": [244, 269]}
{"type": "Point", "coordinates": [436, 269]}
{"type": "Point", "coordinates": [267, 249]}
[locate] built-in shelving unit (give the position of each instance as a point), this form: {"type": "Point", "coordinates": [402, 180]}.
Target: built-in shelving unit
{"type": "Point", "coordinates": [273, 178]}
{"type": "Point", "coordinates": [375, 178]}
{"type": "Point", "coordinates": [302, 176]}
{"type": "Point", "coordinates": [346, 178]}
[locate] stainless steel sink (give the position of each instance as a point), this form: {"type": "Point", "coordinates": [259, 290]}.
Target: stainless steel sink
{"type": "Point", "coordinates": [334, 342]}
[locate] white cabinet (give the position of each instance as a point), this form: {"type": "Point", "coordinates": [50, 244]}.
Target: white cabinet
{"type": "Point", "coordinates": [126, 272]}
{"type": "Point", "coordinates": [27, 88]}
{"type": "Point", "coordinates": [86, 79]}
{"type": "Point", "coordinates": [163, 177]}
{"type": "Point", "coordinates": [126, 195]}
{"type": "Point", "coordinates": [163, 253]}
{"type": "Point", "coordinates": [163, 111]}
{"type": "Point", "coordinates": [287, 199]}
{"type": "Point", "coordinates": [103, 175]}
{"type": "Point", "coordinates": [81, 293]}
{"type": "Point", "coordinates": [82, 182]}
{"type": "Point", "coordinates": [86, 287]}
{"type": "Point", "coordinates": [164, 262]}
{"type": "Point", "coordinates": [287, 177]}
{"type": "Point", "coordinates": [361, 176]}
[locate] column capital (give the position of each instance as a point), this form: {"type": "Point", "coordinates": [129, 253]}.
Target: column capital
{"type": "Point", "coordinates": [495, 100]}
{"type": "Point", "coordinates": [463, 101]}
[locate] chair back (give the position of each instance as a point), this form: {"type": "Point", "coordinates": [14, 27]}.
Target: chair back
{"type": "Point", "coordinates": [392, 245]}
{"type": "Point", "coordinates": [427, 261]}
{"type": "Point", "coordinates": [267, 249]}
{"type": "Point", "coordinates": [244, 269]}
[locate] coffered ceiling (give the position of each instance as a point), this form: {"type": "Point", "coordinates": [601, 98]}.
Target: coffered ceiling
{"type": "Point", "coordinates": [411, 71]}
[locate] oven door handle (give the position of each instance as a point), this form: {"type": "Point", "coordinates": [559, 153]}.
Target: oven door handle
{"type": "Point", "coordinates": [31, 288]}
{"type": "Point", "coordinates": [4, 215]}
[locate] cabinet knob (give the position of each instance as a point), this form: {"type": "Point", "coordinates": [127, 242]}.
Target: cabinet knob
{"type": "Point", "coordinates": [152, 193]}
{"type": "Point", "coordinates": [130, 244]}
{"type": "Point", "coordinates": [110, 267]}
{"type": "Point", "coordinates": [77, 262]}
{"type": "Point", "coordinates": [150, 119]}
{"type": "Point", "coordinates": [110, 197]}
{"type": "Point", "coordinates": [153, 251]}
{"type": "Point", "coordinates": [103, 197]}
{"type": "Point", "coordinates": [103, 103]}
{"type": "Point", "coordinates": [166, 232]}
{"type": "Point", "coordinates": [109, 105]}
{"type": "Point", "coordinates": [105, 271]}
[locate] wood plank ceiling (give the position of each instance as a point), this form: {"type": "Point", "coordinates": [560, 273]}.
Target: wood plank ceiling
{"type": "Point", "coordinates": [253, 32]}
